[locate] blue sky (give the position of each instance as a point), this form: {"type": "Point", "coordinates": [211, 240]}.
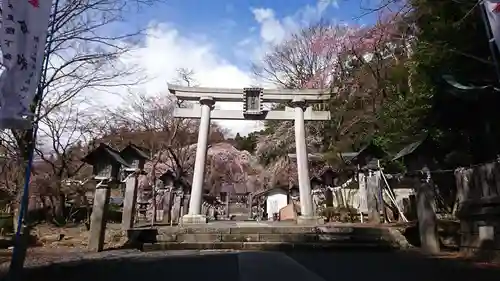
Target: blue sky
{"type": "Point", "coordinates": [229, 22]}
{"type": "Point", "coordinates": [220, 39]}
{"type": "Point", "coordinates": [203, 15]}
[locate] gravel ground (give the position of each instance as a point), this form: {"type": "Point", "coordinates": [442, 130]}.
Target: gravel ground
{"type": "Point", "coordinates": [39, 257]}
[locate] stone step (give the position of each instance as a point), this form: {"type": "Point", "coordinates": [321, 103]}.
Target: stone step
{"type": "Point", "coordinates": [267, 230]}
{"type": "Point", "coordinates": [328, 236]}
{"type": "Point", "coordinates": [269, 237]}
{"type": "Point", "coordinates": [266, 246]}
{"type": "Point", "coordinates": [271, 230]}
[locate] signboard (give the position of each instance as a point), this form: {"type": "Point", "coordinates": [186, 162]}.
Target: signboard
{"type": "Point", "coordinates": [252, 101]}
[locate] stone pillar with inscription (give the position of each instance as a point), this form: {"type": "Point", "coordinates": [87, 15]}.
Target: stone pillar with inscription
{"type": "Point", "coordinates": [249, 205]}
{"type": "Point", "coordinates": [168, 190]}
{"type": "Point", "coordinates": [176, 207]}
{"type": "Point", "coordinates": [372, 196]}
{"type": "Point", "coordinates": [211, 212]}
{"type": "Point", "coordinates": [98, 218]}
{"type": "Point", "coordinates": [363, 205]}
{"type": "Point", "coordinates": [129, 202]}
{"type": "Point", "coordinates": [426, 213]}
{"type": "Point", "coordinates": [204, 208]}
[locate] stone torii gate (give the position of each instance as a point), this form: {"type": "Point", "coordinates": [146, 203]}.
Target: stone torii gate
{"type": "Point", "coordinates": [299, 110]}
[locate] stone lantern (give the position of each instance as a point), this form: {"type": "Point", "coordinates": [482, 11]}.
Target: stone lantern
{"type": "Point", "coordinates": [316, 183]}
{"type": "Point", "coordinates": [329, 176]}
{"type": "Point", "coordinates": [330, 179]}
{"type": "Point", "coordinates": [135, 158]}
{"type": "Point", "coordinates": [168, 179]}
{"type": "Point", "coordinates": [106, 163]}
{"type": "Point", "coordinates": [294, 192]}
{"type": "Point", "coordinates": [167, 192]}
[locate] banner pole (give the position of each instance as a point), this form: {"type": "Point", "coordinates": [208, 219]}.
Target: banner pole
{"type": "Point", "coordinates": [21, 245]}
{"type": "Point", "coordinates": [491, 38]}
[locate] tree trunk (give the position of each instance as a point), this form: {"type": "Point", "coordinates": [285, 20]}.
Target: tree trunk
{"type": "Point", "coordinates": [88, 209]}
{"type": "Point", "coordinates": [60, 208]}
{"type": "Point", "coordinates": [52, 207]}
{"type": "Point", "coordinates": [153, 217]}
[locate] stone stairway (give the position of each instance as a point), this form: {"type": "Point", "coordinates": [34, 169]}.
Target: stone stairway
{"type": "Point", "coordinates": [269, 238]}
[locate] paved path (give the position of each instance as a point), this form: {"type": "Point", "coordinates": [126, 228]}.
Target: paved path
{"type": "Point", "coordinates": [263, 266]}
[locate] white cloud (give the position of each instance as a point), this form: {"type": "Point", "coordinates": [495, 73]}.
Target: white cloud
{"type": "Point", "coordinates": [275, 30]}
{"type": "Point", "coordinates": [165, 49]}
{"type": "Point", "coordinates": [271, 30]}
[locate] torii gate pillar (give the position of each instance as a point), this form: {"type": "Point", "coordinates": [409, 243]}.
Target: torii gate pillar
{"type": "Point", "coordinates": [306, 206]}
{"type": "Point", "coordinates": [194, 215]}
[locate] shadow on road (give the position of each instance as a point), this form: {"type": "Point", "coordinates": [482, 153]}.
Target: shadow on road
{"type": "Point", "coordinates": [263, 266]}
{"type": "Point", "coordinates": [390, 266]}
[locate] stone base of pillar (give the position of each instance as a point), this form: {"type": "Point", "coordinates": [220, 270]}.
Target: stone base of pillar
{"type": "Point", "coordinates": [315, 220]}
{"type": "Point", "coordinates": [194, 219]}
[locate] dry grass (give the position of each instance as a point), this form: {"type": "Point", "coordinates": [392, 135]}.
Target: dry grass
{"type": "Point", "coordinates": [60, 243]}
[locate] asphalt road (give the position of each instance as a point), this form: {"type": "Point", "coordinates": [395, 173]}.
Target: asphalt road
{"type": "Point", "coordinates": [263, 266]}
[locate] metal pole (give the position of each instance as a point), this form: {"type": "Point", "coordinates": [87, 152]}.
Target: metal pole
{"type": "Point", "coordinates": [491, 39]}
{"type": "Point", "coordinates": [20, 246]}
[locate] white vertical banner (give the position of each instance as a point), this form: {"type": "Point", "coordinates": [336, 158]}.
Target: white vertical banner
{"type": "Point", "coordinates": [23, 34]}
{"type": "Point", "coordinates": [492, 8]}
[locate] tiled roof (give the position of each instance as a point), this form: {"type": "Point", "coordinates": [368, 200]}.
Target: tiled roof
{"type": "Point", "coordinates": [97, 153]}
{"type": "Point", "coordinates": [136, 150]}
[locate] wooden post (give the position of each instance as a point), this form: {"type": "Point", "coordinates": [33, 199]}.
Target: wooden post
{"type": "Point", "coordinates": [426, 213]}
